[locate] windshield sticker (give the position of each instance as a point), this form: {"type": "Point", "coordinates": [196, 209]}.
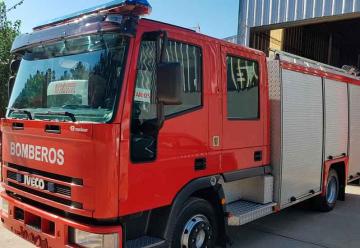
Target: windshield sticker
{"type": "Point", "coordinates": [65, 88]}
{"type": "Point", "coordinates": [143, 95]}
{"type": "Point", "coordinates": [68, 87]}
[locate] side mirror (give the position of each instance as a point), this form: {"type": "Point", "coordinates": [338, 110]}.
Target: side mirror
{"type": "Point", "coordinates": [11, 83]}
{"type": "Point", "coordinates": [170, 79]}
{"type": "Point", "coordinates": [14, 66]}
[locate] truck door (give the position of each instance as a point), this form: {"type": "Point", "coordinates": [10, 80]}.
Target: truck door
{"type": "Point", "coordinates": [163, 162]}
{"type": "Point", "coordinates": [244, 109]}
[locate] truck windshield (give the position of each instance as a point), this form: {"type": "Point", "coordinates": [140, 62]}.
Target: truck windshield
{"type": "Point", "coordinates": [81, 76]}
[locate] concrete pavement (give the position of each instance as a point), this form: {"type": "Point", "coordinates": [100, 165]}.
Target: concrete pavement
{"type": "Point", "coordinates": [301, 227]}
{"type": "Point", "coordinates": [296, 227]}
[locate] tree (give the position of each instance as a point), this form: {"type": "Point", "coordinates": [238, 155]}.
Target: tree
{"type": "Point", "coordinates": [31, 96]}
{"type": "Point", "coordinates": [79, 72]}
{"type": "Point", "coordinates": [8, 31]}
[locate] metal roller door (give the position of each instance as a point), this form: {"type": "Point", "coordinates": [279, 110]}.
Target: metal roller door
{"type": "Point", "coordinates": [302, 135]}
{"type": "Point", "coordinates": [354, 148]}
{"type": "Point", "coordinates": [336, 119]}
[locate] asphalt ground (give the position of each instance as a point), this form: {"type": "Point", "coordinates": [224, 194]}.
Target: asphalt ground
{"type": "Point", "coordinates": [296, 227]}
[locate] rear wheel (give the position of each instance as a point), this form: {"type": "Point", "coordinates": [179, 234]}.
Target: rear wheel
{"type": "Point", "coordinates": [196, 225]}
{"type": "Point", "coordinates": [327, 202]}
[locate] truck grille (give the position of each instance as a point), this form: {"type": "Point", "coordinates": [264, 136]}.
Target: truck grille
{"type": "Point", "coordinates": [49, 186]}
{"type": "Point", "coordinates": [46, 174]}
{"type": "Point", "coordinates": [17, 180]}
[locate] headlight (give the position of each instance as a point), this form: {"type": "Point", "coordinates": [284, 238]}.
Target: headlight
{"type": "Point", "coordinates": [92, 240]}
{"type": "Point", "coordinates": [5, 206]}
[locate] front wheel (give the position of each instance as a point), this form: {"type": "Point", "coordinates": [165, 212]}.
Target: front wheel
{"type": "Point", "coordinates": [327, 202]}
{"type": "Point", "coordinates": [196, 225]}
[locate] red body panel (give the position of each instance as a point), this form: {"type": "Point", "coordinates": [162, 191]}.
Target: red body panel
{"type": "Point", "coordinates": [57, 238]}
{"type": "Point", "coordinates": [187, 137]}
{"type": "Point", "coordinates": [242, 138]}
{"type": "Point", "coordinates": [91, 156]}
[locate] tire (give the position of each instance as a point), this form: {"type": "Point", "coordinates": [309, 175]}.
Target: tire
{"type": "Point", "coordinates": [196, 225]}
{"type": "Point", "coordinates": [327, 202]}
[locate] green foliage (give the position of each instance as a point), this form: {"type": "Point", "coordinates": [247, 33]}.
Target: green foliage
{"type": "Point", "coordinates": [30, 96]}
{"type": "Point", "coordinates": [8, 31]}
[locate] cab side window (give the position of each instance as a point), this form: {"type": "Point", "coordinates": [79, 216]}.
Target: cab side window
{"type": "Point", "coordinates": [143, 125]}
{"type": "Point", "coordinates": [242, 88]}
{"type": "Point", "coordinates": [145, 93]}
{"type": "Point", "coordinates": [190, 58]}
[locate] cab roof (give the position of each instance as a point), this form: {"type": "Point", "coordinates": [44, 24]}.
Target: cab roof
{"type": "Point", "coordinates": [135, 7]}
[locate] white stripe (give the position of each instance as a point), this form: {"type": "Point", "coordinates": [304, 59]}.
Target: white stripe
{"type": "Point", "coordinates": [254, 18]}
{"type": "Point", "coordinates": [354, 5]}
{"type": "Point", "coordinates": [232, 72]}
{"type": "Point", "coordinates": [262, 12]}
{"type": "Point", "coordinates": [195, 64]}
{"type": "Point", "coordinates": [314, 7]}
{"type": "Point", "coordinates": [188, 61]}
{"type": "Point", "coordinates": [270, 11]}
{"type": "Point", "coordinates": [278, 12]}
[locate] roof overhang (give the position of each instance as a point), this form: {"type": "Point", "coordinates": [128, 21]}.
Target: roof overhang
{"type": "Point", "coordinates": [123, 7]}
{"type": "Point", "coordinates": [99, 23]}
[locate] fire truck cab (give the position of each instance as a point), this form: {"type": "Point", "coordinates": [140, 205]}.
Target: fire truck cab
{"type": "Point", "coordinates": [127, 132]}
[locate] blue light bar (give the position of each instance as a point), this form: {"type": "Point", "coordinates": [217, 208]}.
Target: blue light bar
{"type": "Point", "coordinates": [144, 4]}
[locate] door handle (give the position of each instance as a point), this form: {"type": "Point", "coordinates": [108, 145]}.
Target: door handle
{"type": "Point", "coordinates": [258, 156]}
{"type": "Point", "coordinates": [200, 164]}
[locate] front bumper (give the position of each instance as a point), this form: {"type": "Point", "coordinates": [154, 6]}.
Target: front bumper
{"type": "Point", "coordinates": [44, 229]}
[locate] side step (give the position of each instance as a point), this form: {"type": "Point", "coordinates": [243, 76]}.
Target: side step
{"type": "Point", "coordinates": [145, 242]}
{"type": "Point", "coordinates": [242, 212]}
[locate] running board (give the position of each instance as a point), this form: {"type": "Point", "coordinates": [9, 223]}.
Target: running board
{"type": "Point", "coordinates": [242, 212]}
{"type": "Point", "coordinates": [145, 242]}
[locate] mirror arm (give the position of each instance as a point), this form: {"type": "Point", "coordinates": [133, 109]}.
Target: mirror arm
{"type": "Point", "coordinates": [160, 115]}
{"type": "Point", "coordinates": [164, 46]}
{"type": "Point", "coordinates": [10, 83]}
{"type": "Point", "coordinates": [162, 36]}
{"type": "Point", "coordinates": [161, 59]}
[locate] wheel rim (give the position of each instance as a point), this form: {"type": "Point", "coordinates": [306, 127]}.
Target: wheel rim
{"type": "Point", "coordinates": [331, 193]}
{"type": "Point", "coordinates": [197, 232]}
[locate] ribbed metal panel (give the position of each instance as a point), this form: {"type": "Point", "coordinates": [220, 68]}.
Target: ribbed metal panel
{"type": "Point", "coordinates": [354, 144]}
{"type": "Point", "coordinates": [256, 13]}
{"type": "Point", "coordinates": [296, 101]}
{"type": "Point", "coordinates": [336, 118]}
{"type": "Point", "coordinates": [302, 135]}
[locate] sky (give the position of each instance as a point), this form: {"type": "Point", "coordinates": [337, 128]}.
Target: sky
{"type": "Point", "coordinates": [217, 18]}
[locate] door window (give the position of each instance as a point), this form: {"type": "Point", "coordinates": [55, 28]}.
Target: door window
{"type": "Point", "coordinates": [242, 88]}
{"type": "Point", "coordinates": [143, 128]}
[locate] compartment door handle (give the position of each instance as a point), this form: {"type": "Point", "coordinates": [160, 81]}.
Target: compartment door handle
{"type": "Point", "coordinates": [258, 156]}
{"type": "Point", "coordinates": [200, 164]}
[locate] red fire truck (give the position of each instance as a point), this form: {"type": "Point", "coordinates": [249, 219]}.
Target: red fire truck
{"type": "Point", "coordinates": [127, 132]}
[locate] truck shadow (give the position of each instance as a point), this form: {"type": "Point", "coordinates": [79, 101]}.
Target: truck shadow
{"type": "Point", "coordinates": [302, 226]}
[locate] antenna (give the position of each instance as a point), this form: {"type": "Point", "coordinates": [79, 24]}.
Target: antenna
{"type": "Point", "coordinates": [197, 28]}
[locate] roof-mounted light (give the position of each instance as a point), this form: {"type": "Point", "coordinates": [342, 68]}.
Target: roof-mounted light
{"type": "Point", "coordinates": [124, 7]}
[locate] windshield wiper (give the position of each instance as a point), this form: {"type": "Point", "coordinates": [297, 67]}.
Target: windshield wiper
{"type": "Point", "coordinates": [67, 114]}
{"type": "Point", "coordinates": [20, 111]}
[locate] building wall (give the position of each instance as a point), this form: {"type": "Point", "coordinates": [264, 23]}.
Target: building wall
{"type": "Point", "coordinates": [285, 13]}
